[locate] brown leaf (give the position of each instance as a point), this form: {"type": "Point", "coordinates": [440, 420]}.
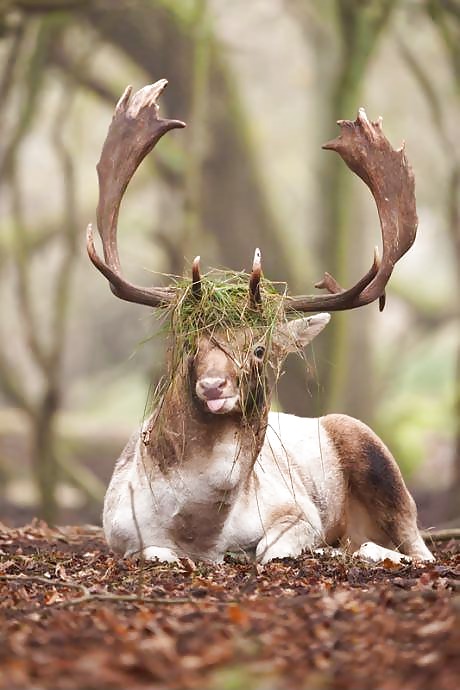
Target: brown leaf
{"type": "Point", "coordinates": [238, 615]}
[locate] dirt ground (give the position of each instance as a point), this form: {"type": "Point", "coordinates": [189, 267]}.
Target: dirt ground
{"type": "Point", "coordinates": [73, 616]}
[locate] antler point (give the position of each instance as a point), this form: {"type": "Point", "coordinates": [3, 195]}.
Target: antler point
{"type": "Point", "coordinates": [333, 144]}
{"type": "Point", "coordinates": [89, 234]}
{"type": "Point", "coordinates": [255, 298]}
{"type": "Point", "coordinates": [196, 278]}
{"type": "Point", "coordinates": [147, 97]}
{"type": "Point", "coordinates": [320, 285]}
{"type": "Point", "coordinates": [124, 99]}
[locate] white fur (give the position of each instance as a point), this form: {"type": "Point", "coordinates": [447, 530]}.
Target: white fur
{"type": "Point", "coordinates": [291, 499]}
{"type": "Point", "coordinates": [373, 553]}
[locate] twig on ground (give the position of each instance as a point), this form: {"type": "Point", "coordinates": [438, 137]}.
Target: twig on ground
{"type": "Point", "coordinates": [45, 580]}
{"type": "Point", "coordinates": [108, 596]}
{"type": "Point", "coordinates": [441, 534]}
{"type": "Point", "coordinates": [87, 595]}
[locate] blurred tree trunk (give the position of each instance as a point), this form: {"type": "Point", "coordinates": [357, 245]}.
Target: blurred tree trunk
{"type": "Point", "coordinates": [41, 411]}
{"type": "Point", "coordinates": [446, 17]}
{"type": "Point", "coordinates": [346, 372]}
{"type": "Point", "coordinates": [357, 29]}
{"type": "Point", "coordinates": [45, 348]}
{"type": "Point", "coordinates": [45, 465]}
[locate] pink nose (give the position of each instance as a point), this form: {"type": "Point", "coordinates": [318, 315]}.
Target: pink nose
{"type": "Point", "coordinates": [211, 387]}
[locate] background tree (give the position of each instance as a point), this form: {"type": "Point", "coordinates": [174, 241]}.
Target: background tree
{"type": "Point", "coordinates": [446, 16]}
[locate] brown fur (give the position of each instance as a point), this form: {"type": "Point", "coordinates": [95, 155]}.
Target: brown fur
{"type": "Point", "coordinates": [182, 425]}
{"type": "Point", "coordinates": [377, 498]}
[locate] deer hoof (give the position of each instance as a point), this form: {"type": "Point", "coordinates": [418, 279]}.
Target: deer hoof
{"type": "Point", "coordinates": [159, 553]}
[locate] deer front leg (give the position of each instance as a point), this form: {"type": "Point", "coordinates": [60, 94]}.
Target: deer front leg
{"type": "Point", "coordinates": [133, 549]}
{"type": "Point", "coordinates": [289, 535]}
{"type": "Point", "coordinates": [158, 553]}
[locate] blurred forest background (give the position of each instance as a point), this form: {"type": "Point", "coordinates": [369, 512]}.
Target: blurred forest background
{"type": "Point", "coordinates": [261, 84]}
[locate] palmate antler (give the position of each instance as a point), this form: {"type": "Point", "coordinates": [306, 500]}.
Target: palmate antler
{"type": "Point", "coordinates": [136, 128]}
{"type": "Point", "coordinates": [133, 132]}
{"type": "Point", "coordinates": [389, 176]}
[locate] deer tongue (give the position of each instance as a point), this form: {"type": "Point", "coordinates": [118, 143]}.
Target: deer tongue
{"type": "Point", "coordinates": [215, 405]}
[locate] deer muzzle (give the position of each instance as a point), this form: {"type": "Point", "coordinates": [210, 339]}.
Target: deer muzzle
{"type": "Point", "coordinates": [217, 394]}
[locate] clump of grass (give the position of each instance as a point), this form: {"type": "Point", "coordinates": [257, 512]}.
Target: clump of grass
{"type": "Point", "coordinates": [224, 305]}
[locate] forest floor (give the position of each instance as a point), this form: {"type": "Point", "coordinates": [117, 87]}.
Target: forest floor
{"type": "Point", "coordinates": [72, 616]}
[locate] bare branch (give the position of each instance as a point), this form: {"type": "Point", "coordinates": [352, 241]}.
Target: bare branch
{"type": "Point", "coordinates": [22, 266]}
{"type": "Point", "coordinates": [441, 534]}
{"type": "Point", "coordinates": [12, 58]}
{"type": "Point", "coordinates": [12, 387]}
{"type": "Point", "coordinates": [81, 477]}
{"type": "Point", "coordinates": [70, 235]}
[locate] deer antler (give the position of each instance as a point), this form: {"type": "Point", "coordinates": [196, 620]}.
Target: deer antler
{"type": "Point", "coordinates": [196, 278]}
{"type": "Point", "coordinates": [255, 298]}
{"type": "Point", "coordinates": [133, 132]}
{"type": "Point", "coordinates": [389, 176]}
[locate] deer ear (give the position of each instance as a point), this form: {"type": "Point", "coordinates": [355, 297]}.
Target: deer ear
{"type": "Point", "coordinates": [295, 335]}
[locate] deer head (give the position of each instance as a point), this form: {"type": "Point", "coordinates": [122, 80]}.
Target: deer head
{"type": "Point", "coordinates": [232, 370]}
{"type": "Point", "coordinates": [229, 364]}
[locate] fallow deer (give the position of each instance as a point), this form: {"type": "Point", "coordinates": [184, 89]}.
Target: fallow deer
{"type": "Point", "coordinates": [212, 469]}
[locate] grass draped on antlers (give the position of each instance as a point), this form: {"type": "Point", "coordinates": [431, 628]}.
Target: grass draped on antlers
{"type": "Point", "coordinates": [224, 304]}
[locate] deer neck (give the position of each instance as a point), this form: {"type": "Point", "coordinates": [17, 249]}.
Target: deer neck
{"type": "Point", "coordinates": [203, 462]}
{"type": "Point", "coordinates": [180, 435]}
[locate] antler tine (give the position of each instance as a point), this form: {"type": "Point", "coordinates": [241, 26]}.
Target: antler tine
{"type": "Point", "coordinates": [255, 298]}
{"type": "Point", "coordinates": [196, 278]}
{"type": "Point", "coordinates": [389, 176]}
{"type": "Point", "coordinates": [133, 132]}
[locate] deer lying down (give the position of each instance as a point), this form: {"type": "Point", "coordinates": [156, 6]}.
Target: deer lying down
{"type": "Point", "coordinates": [213, 470]}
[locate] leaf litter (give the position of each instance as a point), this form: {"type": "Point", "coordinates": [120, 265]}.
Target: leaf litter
{"type": "Point", "coordinates": [72, 616]}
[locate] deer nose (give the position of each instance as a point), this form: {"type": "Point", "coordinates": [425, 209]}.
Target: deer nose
{"type": "Point", "coordinates": [212, 386]}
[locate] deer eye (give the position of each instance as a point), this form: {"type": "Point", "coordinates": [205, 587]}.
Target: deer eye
{"type": "Point", "coordinates": [259, 351]}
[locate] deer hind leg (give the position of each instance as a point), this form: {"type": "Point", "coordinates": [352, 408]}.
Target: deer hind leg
{"type": "Point", "coordinates": [380, 508]}
{"type": "Point", "coordinates": [374, 536]}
